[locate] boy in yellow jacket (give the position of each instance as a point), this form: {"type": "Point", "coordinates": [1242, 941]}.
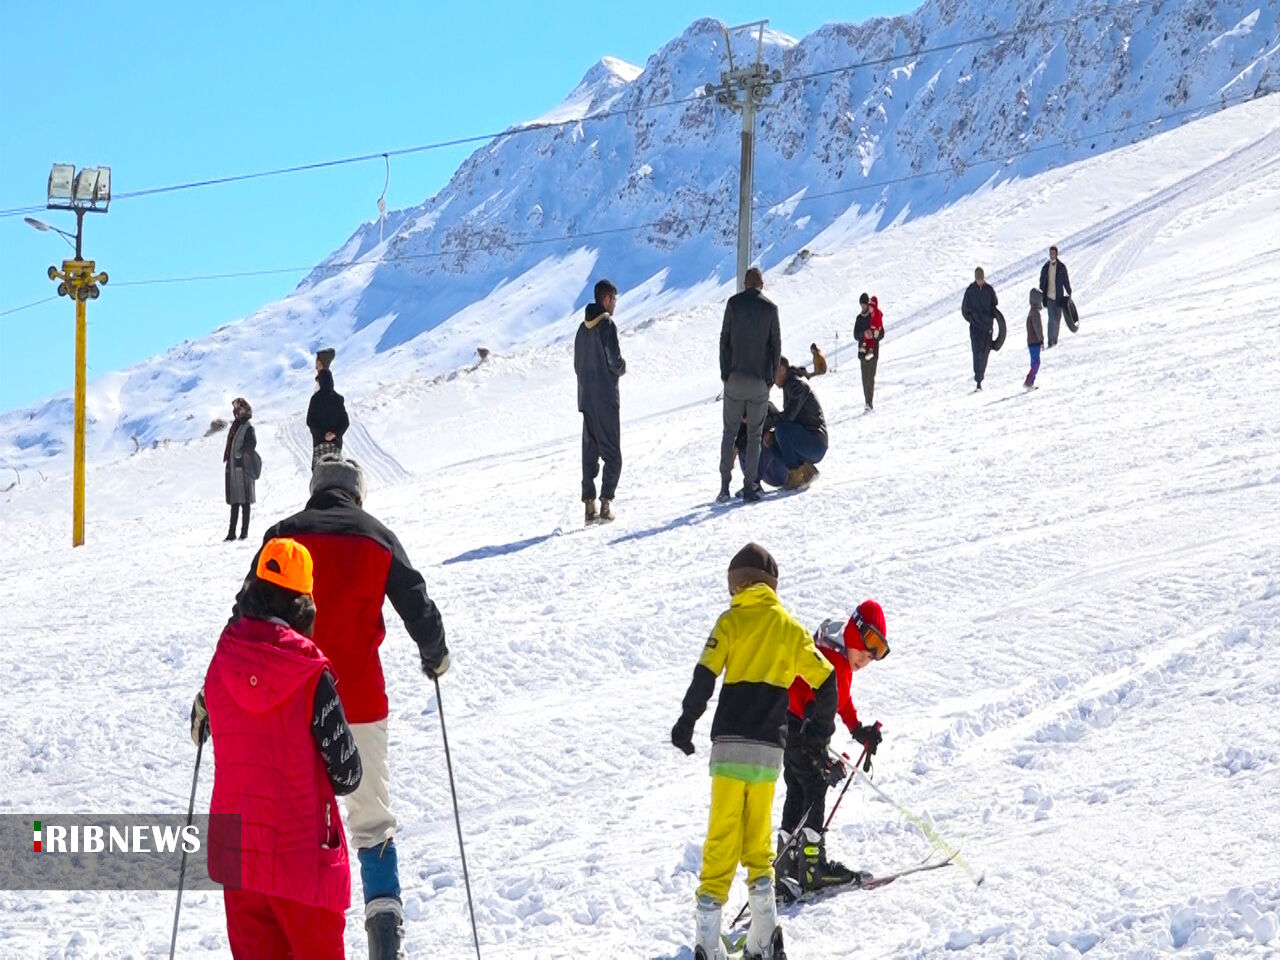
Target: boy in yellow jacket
{"type": "Point", "coordinates": [760, 648]}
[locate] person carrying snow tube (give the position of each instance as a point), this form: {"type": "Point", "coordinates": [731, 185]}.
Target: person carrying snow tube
{"type": "Point", "coordinates": [359, 563]}
{"type": "Point", "coordinates": [979, 309]}
{"type": "Point", "coordinates": [806, 768]}
{"type": "Point", "coordinates": [284, 753]}
{"type": "Point", "coordinates": [1055, 291]}
{"type": "Point", "coordinates": [761, 649]}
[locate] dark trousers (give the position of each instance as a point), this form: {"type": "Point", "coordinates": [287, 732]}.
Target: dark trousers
{"type": "Point", "coordinates": [980, 340]}
{"type": "Point", "coordinates": [869, 377]}
{"type": "Point", "coordinates": [1034, 349]}
{"type": "Point", "coordinates": [244, 526]}
{"type": "Point", "coordinates": [1055, 320]}
{"type": "Point", "coordinates": [795, 444]}
{"type": "Point", "coordinates": [601, 439]}
{"type": "Point", "coordinates": [806, 786]}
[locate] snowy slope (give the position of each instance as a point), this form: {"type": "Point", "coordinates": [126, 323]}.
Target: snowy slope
{"type": "Point", "coordinates": [1081, 586]}
{"type": "Point", "coordinates": [650, 193]}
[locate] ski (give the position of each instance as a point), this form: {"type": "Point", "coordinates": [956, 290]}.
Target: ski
{"type": "Point", "coordinates": [870, 883]}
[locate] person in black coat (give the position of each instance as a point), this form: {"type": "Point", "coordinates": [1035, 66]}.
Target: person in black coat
{"type": "Point", "coordinates": [979, 309]}
{"type": "Point", "coordinates": [598, 364]}
{"type": "Point", "coordinates": [750, 348]}
{"type": "Point", "coordinates": [327, 413]}
{"type": "Point", "coordinates": [1055, 290]}
{"type": "Point", "coordinates": [239, 458]}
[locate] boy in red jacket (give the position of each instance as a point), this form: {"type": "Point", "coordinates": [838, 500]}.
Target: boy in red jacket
{"type": "Point", "coordinates": [807, 773]}
{"type": "Point", "coordinates": [284, 752]}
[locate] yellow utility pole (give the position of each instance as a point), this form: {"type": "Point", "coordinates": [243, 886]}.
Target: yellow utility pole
{"type": "Point", "coordinates": [80, 283]}
{"type": "Point", "coordinates": [86, 191]}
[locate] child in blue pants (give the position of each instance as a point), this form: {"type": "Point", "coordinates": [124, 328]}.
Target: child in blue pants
{"type": "Point", "coordinates": [1035, 339]}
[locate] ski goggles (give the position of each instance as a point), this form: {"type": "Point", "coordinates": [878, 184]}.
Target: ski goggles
{"type": "Point", "coordinates": [872, 638]}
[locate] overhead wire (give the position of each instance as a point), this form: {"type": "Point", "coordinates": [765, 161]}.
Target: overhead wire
{"type": "Point", "coordinates": [701, 221]}
{"type": "Point", "coordinates": [538, 126]}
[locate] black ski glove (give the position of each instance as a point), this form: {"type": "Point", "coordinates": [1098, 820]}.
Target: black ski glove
{"type": "Point", "coordinates": [868, 736]}
{"type": "Point", "coordinates": [835, 772]}
{"type": "Point", "coordinates": [682, 736]}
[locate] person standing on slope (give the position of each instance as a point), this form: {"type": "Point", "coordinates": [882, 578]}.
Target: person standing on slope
{"type": "Point", "coordinates": [806, 770]}
{"type": "Point", "coordinates": [1055, 291]}
{"type": "Point", "coordinates": [1035, 338]}
{"type": "Point", "coordinates": [284, 753]}
{"type": "Point", "coordinates": [750, 348]}
{"type": "Point", "coordinates": [598, 364]}
{"type": "Point", "coordinates": [868, 330]}
{"type": "Point", "coordinates": [979, 309]}
{"type": "Point", "coordinates": [327, 411]}
{"type": "Point", "coordinates": [239, 457]}
{"type": "Point", "coordinates": [359, 563]}
{"type": "Point", "coordinates": [761, 649]}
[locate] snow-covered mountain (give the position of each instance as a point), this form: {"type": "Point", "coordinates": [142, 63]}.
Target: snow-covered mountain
{"type": "Point", "coordinates": [505, 254]}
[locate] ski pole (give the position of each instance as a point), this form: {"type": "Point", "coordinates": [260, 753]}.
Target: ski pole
{"type": "Point", "coordinates": [182, 869]}
{"type": "Point", "coordinates": [925, 827]}
{"type": "Point", "coordinates": [453, 790]}
{"type": "Point", "coordinates": [865, 762]}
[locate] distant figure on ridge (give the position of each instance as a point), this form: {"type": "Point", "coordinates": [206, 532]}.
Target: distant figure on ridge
{"type": "Point", "coordinates": [598, 364]}
{"type": "Point", "coordinates": [750, 349]}
{"type": "Point", "coordinates": [1055, 291]}
{"type": "Point", "coordinates": [979, 309]}
{"type": "Point", "coordinates": [242, 465]}
{"type": "Point", "coordinates": [327, 412]}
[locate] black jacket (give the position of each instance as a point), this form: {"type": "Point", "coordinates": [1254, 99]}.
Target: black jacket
{"type": "Point", "coordinates": [327, 412]}
{"type": "Point", "coordinates": [750, 337]}
{"type": "Point", "coordinates": [1062, 283]}
{"type": "Point", "coordinates": [979, 304]}
{"type": "Point", "coordinates": [800, 404]}
{"type": "Point", "coordinates": [597, 360]}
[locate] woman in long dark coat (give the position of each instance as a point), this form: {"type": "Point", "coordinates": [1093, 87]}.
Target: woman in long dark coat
{"type": "Point", "coordinates": [238, 457]}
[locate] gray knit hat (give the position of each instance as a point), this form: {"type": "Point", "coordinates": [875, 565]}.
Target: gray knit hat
{"type": "Point", "coordinates": [332, 472]}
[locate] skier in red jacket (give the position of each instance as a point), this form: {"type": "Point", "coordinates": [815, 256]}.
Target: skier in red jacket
{"type": "Point", "coordinates": [807, 774]}
{"type": "Point", "coordinates": [359, 564]}
{"type": "Point", "coordinates": [284, 752]}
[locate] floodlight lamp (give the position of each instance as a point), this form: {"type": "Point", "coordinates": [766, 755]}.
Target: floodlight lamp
{"type": "Point", "coordinates": [60, 179]}
{"type": "Point", "coordinates": [38, 224]}
{"type": "Point", "coordinates": [86, 185]}
{"type": "Point", "coordinates": [102, 192]}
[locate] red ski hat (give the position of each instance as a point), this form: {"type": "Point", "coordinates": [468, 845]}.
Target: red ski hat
{"type": "Point", "coordinates": [866, 630]}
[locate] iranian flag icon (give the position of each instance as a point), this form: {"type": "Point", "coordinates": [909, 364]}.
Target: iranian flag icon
{"type": "Point", "coordinates": [37, 835]}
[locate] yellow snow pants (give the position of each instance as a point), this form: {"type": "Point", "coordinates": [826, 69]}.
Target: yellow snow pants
{"type": "Point", "coordinates": [740, 830]}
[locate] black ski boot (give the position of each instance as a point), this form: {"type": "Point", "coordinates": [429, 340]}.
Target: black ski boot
{"type": "Point", "coordinates": [819, 872]}
{"type": "Point", "coordinates": [383, 924]}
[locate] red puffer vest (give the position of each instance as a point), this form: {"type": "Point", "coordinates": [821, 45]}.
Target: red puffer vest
{"type": "Point", "coordinates": [260, 691]}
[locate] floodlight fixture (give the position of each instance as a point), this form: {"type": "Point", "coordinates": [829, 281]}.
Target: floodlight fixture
{"type": "Point", "coordinates": [102, 191]}
{"type": "Point", "coordinates": [86, 186]}
{"type": "Point", "coordinates": [60, 182]}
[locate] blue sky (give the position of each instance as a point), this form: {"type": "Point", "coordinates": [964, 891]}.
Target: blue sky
{"type": "Point", "coordinates": [168, 93]}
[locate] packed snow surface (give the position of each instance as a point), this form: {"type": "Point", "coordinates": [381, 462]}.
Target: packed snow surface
{"type": "Point", "coordinates": [1082, 587]}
